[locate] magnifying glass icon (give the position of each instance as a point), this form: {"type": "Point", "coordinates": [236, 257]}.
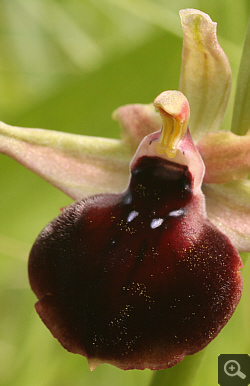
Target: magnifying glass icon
{"type": "Point", "coordinates": [232, 368]}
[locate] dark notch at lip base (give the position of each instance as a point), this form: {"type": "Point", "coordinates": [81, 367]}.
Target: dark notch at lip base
{"type": "Point", "coordinates": [157, 167]}
{"type": "Point", "coordinates": [149, 162]}
{"type": "Point", "coordinates": [155, 179]}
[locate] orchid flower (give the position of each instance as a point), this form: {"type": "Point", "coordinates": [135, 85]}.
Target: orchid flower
{"type": "Point", "coordinates": [146, 270]}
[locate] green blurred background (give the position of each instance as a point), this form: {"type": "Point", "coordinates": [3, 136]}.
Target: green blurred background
{"type": "Point", "coordinates": [66, 65]}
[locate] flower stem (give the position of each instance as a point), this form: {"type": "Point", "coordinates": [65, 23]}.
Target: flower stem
{"type": "Point", "coordinates": [181, 374]}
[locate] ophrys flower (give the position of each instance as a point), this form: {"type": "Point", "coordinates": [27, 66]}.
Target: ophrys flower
{"type": "Point", "coordinates": [114, 270]}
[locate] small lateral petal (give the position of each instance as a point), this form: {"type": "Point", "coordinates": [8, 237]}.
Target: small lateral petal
{"type": "Point", "coordinates": [228, 208]}
{"type": "Point", "coordinates": [77, 165]}
{"type": "Point", "coordinates": [136, 122]}
{"type": "Point", "coordinates": [205, 74]}
{"type": "Point", "coordinates": [241, 114]}
{"type": "Point", "coordinates": [226, 156]}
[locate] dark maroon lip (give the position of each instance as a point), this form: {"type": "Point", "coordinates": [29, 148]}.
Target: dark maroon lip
{"type": "Point", "coordinates": [138, 279]}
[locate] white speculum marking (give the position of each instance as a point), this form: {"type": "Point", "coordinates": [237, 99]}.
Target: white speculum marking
{"type": "Point", "coordinates": [176, 213]}
{"type": "Point", "coordinates": [132, 215]}
{"type": "Point", "coordinates": [156, 222]}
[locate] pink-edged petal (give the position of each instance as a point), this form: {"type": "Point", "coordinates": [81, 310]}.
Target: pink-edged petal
{"type": "Point", "coordinates": [205, 73]}
{"type": "Point", "coordinates": [136, 122]}
{"type": "Point", "coordinates": [228, 208]}
{"type": "Point", "coordinates": [77, 165]}
{"type": "Point", "coordinates": [226, 156]}
{"type": "Point", "coordinates": [241, 114]}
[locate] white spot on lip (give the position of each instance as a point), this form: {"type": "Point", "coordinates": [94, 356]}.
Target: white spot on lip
{"type": "Point", "coordinates": [156, 222]}
{"type": "Point", "coordinates": [132, 215]}
{"type": "Point", "coordinates": [127, 198]}
{"type": "Point", "coordinates": [176, 213]}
